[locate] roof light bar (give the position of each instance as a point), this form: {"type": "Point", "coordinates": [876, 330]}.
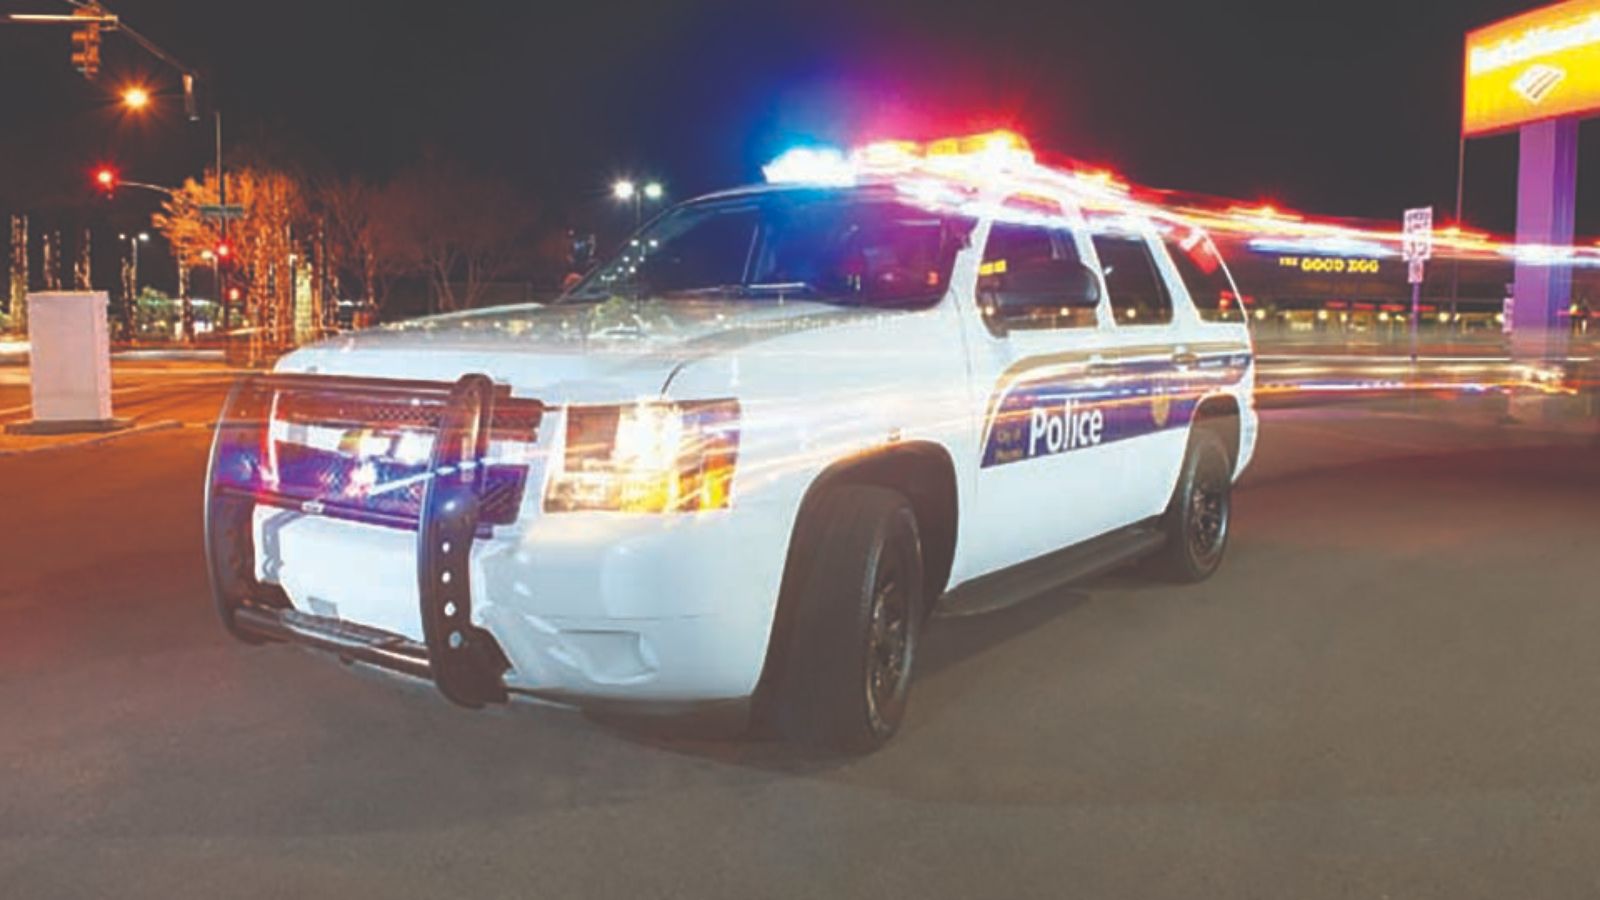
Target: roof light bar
{"type": "Point", "coordinates": [826, 166]}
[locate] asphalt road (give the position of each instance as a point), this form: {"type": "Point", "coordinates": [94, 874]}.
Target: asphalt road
{"type": "Point", "coordinates": [1388, 691]}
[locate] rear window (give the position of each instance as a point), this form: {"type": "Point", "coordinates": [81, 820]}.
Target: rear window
{"type": "Point", "coordinates": [1200, 266]}
{"type": "Point", "coordinates": [1138, 295]}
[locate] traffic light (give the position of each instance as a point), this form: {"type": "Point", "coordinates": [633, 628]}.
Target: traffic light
{"type": "Point", "coordinates": [106, 179]}
{"type": "Point", "coordinates": [224, 250]}
{"type": "Point", "coordinates": [86, 44]}
{"type": "Point", "coordinates": [189, 108]}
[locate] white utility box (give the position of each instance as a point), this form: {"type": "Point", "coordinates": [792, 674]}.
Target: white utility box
{"type": "Point", "coordinates": [69, 349]}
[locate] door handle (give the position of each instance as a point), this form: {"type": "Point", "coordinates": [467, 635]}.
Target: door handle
{"type": "Point", "coordinates": [1185, 359]}
{"type": "Point", "coordinates": [1100, 369]}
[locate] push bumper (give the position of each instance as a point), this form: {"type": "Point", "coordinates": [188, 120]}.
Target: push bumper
{"type": "Point", "coordinates": [462, 659]}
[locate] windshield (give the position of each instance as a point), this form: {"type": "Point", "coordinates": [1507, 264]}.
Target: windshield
{"type": "Point", "coordinates": [855, 249]}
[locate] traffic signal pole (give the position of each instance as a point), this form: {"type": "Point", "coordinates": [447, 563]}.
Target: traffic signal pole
{"type": "Point", "coordinates": [89, 17]}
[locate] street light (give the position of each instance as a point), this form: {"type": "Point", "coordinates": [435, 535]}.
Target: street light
{"type": "Point", "coordinates": [626, 191]}
{"type": "Point", "coordinates": [134, 240]}
{"type": "Point", "coordinates": [135, 98]}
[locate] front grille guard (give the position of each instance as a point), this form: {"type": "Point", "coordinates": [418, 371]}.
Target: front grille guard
{"type": "Point", "coordinates": [440, 497]}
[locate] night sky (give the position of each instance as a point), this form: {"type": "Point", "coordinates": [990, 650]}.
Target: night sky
{"type": "Point", "coordinates": [1347, 108]}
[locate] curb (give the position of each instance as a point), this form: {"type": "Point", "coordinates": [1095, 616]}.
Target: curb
{"type": "Point", "coordinates": [164, 425]}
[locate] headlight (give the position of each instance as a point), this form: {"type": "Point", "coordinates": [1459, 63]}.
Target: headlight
{"type": "Point", "coordinates": [647, 457]}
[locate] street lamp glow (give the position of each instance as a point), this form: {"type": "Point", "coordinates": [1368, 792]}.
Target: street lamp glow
{"type": "Point", "coordinates": [652, 191]}
{"type": "Point", "coordinates": [622, 190]}
{"type": "Point", "coordinates": [136, 98]}
{"type": "Point", "coordinates": [144, 236]}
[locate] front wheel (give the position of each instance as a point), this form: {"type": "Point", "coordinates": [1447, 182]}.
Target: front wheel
{"type": "Point", "coordinates": [1197, 518]}
{"type": "Point", "coordinates": [859, 606]}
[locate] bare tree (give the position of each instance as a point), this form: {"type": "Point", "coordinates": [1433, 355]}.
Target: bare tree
{"type": "Point", "coordinates": [459, 229]}
{"type": "Point", "coordinates": [350, 207]}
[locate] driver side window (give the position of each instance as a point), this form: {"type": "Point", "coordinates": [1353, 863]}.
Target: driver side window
{"type": "Point", "coordinates": [1013, 250]}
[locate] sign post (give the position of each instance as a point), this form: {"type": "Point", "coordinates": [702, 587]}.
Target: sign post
{"type": "Point", "coordinates": [1417, 248]}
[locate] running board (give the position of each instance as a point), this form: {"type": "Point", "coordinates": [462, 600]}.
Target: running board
{"type": "Point", "coordinates": [1027, 580]}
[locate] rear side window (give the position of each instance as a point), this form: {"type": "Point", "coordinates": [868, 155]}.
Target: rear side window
{"type": "Point", "coordinates": [1138, 295]}
{"type": "Point", "coordinates": [1200, 266]}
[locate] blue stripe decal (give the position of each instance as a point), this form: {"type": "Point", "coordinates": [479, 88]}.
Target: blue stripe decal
{"type": "Point", "coordinates": [1067, 411]}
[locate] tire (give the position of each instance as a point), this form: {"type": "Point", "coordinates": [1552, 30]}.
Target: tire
{"type": "Point", "coordinates": [1198, 517]}
{"type": "Point", "coordinates": [854, 625]}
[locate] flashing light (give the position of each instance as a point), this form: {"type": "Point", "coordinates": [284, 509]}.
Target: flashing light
{"type": "Point", "coordinates": [824, 166]}
{"type": "Point", "coordinates": [1105, 178]}
{"type": "Point", "coordinates": [1266, 212]}
{"type": "Point", "coordinates": [990, 144]}
{"type": "Point", "coordinates": [887, 155]}
{"type": "Point", "coordinates": [830, 166]}
{"type": "Point", "coordinates": [106, 178]}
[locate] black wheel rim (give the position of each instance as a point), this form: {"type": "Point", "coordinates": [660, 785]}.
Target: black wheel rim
{"type": "Point", "coordinates": [889, 645]}
{"type": "Point", "coordinates": [1208, 516]}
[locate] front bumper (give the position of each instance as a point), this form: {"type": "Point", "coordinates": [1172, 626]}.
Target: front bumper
{"type": "Point", "coordinates": [654, 608]}
{"type": "Point", "coordinates": [581, 605]}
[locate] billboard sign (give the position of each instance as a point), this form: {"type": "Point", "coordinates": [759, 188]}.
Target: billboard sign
{"type": "Point", "coordinates": [1543, 64]}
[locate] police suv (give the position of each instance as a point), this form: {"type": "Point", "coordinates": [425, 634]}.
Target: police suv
{"type": "Point", "coordinates": [748, 457]}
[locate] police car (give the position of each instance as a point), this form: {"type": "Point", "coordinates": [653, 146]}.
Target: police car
{"type": "Point", "coordinates": [747, 458]}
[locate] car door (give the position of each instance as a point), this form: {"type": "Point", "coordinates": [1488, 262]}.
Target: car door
{"type": "Point", "coordinates": [1045, 480]}
{"type": "Point", "coordinates": [1147, 360]}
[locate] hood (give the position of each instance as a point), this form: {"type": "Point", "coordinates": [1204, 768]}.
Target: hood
{"type": "Point", "coordinates": [585, 352]}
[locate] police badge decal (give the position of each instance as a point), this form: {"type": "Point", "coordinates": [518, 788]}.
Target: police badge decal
{"type": "Point", "coordinates": [1160, 408]}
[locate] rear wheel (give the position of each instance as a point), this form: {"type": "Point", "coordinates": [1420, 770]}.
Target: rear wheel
{"type": "Point", "coordinates": [846, 672]}
{"type": "Point", "coordinates": [1198, 517]}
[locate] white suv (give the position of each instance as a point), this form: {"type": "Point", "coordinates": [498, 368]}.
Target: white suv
{"type": "Point", "coordinates": [747, 457]}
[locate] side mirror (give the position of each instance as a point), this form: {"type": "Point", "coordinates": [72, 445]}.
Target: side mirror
{"type": "Point", "coordinates": [1047, 284]}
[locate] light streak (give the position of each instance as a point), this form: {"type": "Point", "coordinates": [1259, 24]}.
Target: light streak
{"type": "Point", "coordinates": [952, 174]}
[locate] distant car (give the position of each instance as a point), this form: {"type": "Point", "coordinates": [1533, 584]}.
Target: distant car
{"type": "Point", "coordinates": [746, 457]}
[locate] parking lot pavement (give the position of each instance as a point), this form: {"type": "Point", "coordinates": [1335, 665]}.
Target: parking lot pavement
{"type": "Point", "coordinates": [1386, 691]}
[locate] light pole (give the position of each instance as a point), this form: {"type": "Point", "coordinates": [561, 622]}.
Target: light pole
{"type": "Point", "coordinates": [134, 240]}
{"type": "Point", "coordinates": [216, 283]}
{"type": "Point", "coordinates": [137, 98]}
{"type": "Point", "coordinates": [625, 190]}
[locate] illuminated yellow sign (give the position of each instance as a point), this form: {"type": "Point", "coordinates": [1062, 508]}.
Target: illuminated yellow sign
{"type": "Point", "coordinates": [1542, 64]}
{"type": "Point", "coordinates": [1329, 265]}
